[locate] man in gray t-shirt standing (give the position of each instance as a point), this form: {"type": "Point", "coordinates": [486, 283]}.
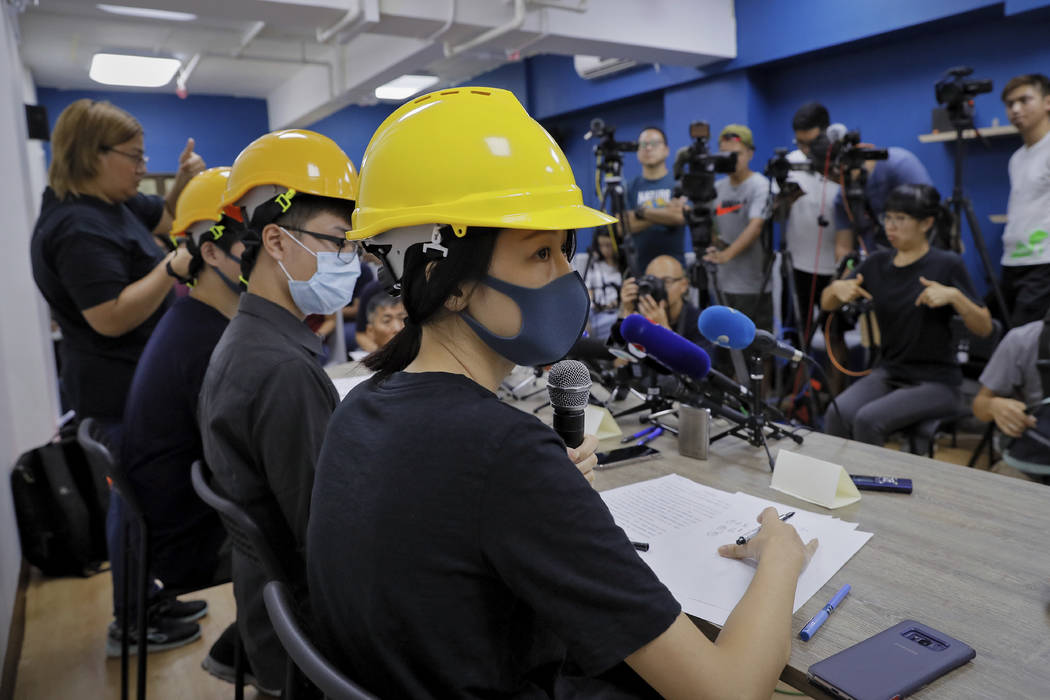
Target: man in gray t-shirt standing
{"type": "Point", "coordinates": [742, 208]}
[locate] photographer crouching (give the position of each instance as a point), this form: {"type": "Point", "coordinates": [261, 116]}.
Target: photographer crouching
{"type": "Point", "coordinates": [659, 295]}
{"type": "Point", "coordinates": [914, 289]}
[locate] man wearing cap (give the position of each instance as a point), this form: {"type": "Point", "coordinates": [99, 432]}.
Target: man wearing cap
{"type": "Point", "coordinates": [741, 209]}
{"type": "Point", "coordinates": [266, 401]}
{"type": "Point", "coordinates": [655, 218]}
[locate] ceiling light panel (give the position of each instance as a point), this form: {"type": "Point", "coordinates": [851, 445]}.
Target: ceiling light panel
{"type": "Point", "coordinates": [132, 71]}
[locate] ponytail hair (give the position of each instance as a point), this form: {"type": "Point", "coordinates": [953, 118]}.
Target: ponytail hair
{"type": "Point", "coordinates": [920, 202]}
{"type": "Point", "coordinates": [426, 285]}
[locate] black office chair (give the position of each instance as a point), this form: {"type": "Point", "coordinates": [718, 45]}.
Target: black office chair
{"type": "Point", "coordinates": [301, 650]}
{"type": "Point", "coordinates": [90, 437]}
{"type": "Point", "coordinates": [922, 436]}
{"type": "Point", "coordinates": [248, 539]}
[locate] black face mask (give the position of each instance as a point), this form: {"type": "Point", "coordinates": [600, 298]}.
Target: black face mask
{"type": "Point", "coordinates": [235, 287]}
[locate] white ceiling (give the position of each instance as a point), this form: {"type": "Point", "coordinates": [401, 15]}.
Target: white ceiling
{"type": "Point", "coordinates": [304, 79]}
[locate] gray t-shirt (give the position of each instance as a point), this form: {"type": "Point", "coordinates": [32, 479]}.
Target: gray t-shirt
{"type": "Point", "coordinates": [1011, 371]}
{"type": "Point", "coordinates": [736, 206]}
{"type": "Point", "coordinates": [803, 230]}
{"type": "Point", "coordinates": [1026, 239]}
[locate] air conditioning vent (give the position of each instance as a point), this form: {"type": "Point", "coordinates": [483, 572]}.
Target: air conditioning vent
{"type": "Point", "coordinates": [593, 67]}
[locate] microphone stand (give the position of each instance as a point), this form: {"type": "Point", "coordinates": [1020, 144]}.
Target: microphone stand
{"type": "Point", "coordinates": [755, 427]}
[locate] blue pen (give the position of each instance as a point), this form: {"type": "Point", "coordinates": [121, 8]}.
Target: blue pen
{"type": "Point", "coordinates": [651, 436]}
{"type": "Point", "coordinates": [813, 625]}
{"type": "Point", "coordinates": [640, 433]}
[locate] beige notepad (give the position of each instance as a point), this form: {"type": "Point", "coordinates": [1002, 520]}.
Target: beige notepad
{"type": "Point", "coordinates": [824, 483]}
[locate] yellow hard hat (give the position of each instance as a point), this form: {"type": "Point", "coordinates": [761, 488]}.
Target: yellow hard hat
{"type": "Point", "coordinates": [296, 159]}
{"type": "Point", "coordinates": [201, 199]}
{"type": "Point", "coordinates": [469, 156]}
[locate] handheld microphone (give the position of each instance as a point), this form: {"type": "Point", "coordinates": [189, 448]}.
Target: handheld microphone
{"type": "Point", "coordinates": [835, 132]}
{"type": "Point", "coordinates": [676, 353]}
{"type": "Point", "coordinates": [666, 347]}
{"type": "Point", "coordinates": [569, 386]}
{"type": "Point", "coordinates": [729, 328]}
{"type": "Point", "coordinates": [726, 327]}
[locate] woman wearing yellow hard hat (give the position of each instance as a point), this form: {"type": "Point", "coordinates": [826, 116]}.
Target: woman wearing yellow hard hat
{"type": "Point", "coordinates": [454, 549]}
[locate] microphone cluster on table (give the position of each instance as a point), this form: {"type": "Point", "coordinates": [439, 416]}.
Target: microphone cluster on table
{"type": "Point", "coordinates": [675, 369]}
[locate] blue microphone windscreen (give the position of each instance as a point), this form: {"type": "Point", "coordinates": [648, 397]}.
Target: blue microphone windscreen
{"type": "Point", "coordinates": [666, 347]}
{"type": "Point", "coordinates": [727, 327]}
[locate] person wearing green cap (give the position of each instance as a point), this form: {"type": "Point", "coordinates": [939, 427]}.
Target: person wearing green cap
{"type": "Point", "coordinates": [741, 208]}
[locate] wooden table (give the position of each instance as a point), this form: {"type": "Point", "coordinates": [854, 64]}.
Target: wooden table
{"type": "Point", "coordinates": [966, 553]}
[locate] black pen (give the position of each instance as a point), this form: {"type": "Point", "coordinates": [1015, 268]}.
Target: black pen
{"type": "Point", "coordinates": [744, 539]}
{"type": "Point", "coordinates": [641, 546]}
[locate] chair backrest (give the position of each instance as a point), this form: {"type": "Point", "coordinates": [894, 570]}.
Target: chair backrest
{"type": "Point", "coordinates": [307, 657]}
{"type": "Point", "coordinates": [245, 533]}
{"type": "Point", "coordinates": [101, 460]}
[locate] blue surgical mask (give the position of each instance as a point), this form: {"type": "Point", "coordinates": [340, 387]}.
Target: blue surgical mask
{"type": "Point", "coordinates": [330, 288]}
{"type": "Point", "coordinates": [552, 318]}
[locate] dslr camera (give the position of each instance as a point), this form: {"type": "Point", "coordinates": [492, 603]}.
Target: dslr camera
{"type": "Point", "coordinates": [695, 169]}
{"type": "Point", "coordinates": [649, 285]}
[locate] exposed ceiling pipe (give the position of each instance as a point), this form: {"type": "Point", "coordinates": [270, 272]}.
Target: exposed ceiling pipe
{"type": "Point", "coordinates": [581, 5]}
{"type": "Point", "coordinates": [515, 23]}
{"type": "Point", "coordinates": [280, 59]}
{"type": "Point", "coordinates": [183, 76]}
{"type": "Point", "coordinates": [248, 37]}
{"type": "Point", "coordinates": [447, 25]}
{"type": "Point", "coordinates": [353, 16]}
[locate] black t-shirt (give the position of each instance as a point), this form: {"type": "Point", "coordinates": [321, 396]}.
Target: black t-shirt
{"type": "Point", "coordinates": [916, 340]}
{"type": "Point", "coordinates": [455, 551]}
{"type": "Point", "coordinates": [161, 435]}
{"type": "Point", "coordinates": [85, 252]}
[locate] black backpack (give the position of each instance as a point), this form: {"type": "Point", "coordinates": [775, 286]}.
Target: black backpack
{"type": "Point", "coordinates": [60, 506]}
{"type": "Point", "coordinates": [1033, 447]}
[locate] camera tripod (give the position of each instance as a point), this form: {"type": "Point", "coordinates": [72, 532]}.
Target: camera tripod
{"type": "Point", "coordinates": [962, 118]}
{"type": "Point", "coordinates": [614, 203]}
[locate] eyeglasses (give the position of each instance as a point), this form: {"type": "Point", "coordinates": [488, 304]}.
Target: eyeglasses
{"type": "Point", "coordinates": [345, 250]}
{"type": "Point", "coordinates": [649, 144]}
{"type": "Point", "coordinates": [894, 220]}
{"type": "Point", "coordinates": [668, 281]}
{"type": "Point", "coordinates": [138, 158]}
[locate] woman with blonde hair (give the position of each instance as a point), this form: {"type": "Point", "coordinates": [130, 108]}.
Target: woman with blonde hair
{"type": "Point", "coordinates": [108, 282]}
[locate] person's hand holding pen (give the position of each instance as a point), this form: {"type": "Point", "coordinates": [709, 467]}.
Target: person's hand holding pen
{"type": "Point", "coordinates": [774, 535]}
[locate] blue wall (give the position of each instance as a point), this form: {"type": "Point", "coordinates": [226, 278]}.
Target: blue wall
{"type": "Point", "coordinates": [882, 85]}
{"type": "Point", "coordinates": [221, 126]}
{"type": "Point", "coordinates": [887, 92]}
{"type": "Point", "coordinates": [353, 126]}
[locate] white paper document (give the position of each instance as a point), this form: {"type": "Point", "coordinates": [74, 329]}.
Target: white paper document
{"type": "Point", "coordinates": [685, 522]}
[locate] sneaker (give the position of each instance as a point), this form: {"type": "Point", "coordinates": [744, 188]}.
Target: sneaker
{"type": "Point", "coordinates": [161, 634]}
{"type": "Point", "coordinates": [179, 610]}
{"type": "Point", "coordinates": [220, 662]}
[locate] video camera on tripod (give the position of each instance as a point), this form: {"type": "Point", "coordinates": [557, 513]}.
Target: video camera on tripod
{"type": "Point", "coordinates": [608, 154]}
{"type": "Point", "coordinates": [608, 149]}
{"type": "Point", "coordinates": [695, 168]}
{"type": "Point", "coordinates": [956, 93]}
{"type": "Point", "coordinates": [844, 158]}
{"type": "Point", "coordinates": [778, 169]}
